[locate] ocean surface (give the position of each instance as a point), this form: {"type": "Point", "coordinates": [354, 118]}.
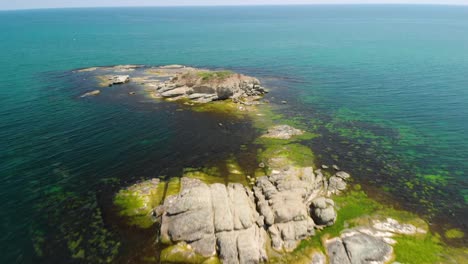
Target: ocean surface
{"type": "Point", "coordinates": [386, 87]}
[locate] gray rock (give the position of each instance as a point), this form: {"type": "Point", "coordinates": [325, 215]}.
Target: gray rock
{"type": "Point", "coordinates": [208, 215]}
{"type": "Point", "coordinates": [335, 167]}
{"type": "Point", "coordinates": [323, 212]}
{"type": "Point", "coordinates": [224, 92]}
{"type": "Point", "coordinates": [336, 184]}
{"type": "Point", "coordinates": [242, 207]}
{"type": "Point", "coordinates": [223, 219]}
{"type": "Point", "coordinates": [227, 244]}
{"type": "Point", "coordinates": [200, 95]}
{"type": "Point", "coordinates": [336, 251]}
{"type": "Point", "coordinates": [175, 92]}
{"type": "Point", "coordinates": [364, 248]}
{"type": "Point", "coordinates": [119, 79]}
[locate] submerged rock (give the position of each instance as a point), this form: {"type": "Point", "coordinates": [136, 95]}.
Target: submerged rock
{"type": "Point", "coordinates": [92, 93]}
{"type": "Point", "coordinates": [283, 132]}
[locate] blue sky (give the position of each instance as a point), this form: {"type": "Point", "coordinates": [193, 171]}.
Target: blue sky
{"type": "Point", "coordinates": [27, 4]}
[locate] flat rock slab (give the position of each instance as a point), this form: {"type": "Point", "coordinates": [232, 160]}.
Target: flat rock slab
{"type": "Point", "coordinates": [283, 132]}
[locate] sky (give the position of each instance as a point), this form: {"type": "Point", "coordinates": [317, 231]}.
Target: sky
{"type": "Point", "coordinates": [32, 4]}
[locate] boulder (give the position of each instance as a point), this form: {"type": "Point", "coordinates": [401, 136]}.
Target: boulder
{"type": "Point", "coordinates": [323, 212]}
{"type": "Point", "coordinates": [363, 248]}
{"type": "Point", "coordinates": [119, 79]}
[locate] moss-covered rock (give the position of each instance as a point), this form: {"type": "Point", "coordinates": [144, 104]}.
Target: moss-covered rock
{"type": "Point", "coordinates": [184, 253]}
{"type": "Point", "coordinates": [137, 201]}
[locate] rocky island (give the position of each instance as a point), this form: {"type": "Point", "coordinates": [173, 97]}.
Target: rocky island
{"type": "Point", "coordinates": [289, 210]}
{"type": "Point", "coordinates": [182, 83]}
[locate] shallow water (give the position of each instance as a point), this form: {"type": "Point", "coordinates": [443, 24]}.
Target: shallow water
{"type": "Point", "coordinates": [385, 86]}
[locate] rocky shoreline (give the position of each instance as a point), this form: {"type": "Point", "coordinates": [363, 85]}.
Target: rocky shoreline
{"type": "Point", "coordinates": [290, 210]}
{"type": "Point", "coordinates": [201, 222]}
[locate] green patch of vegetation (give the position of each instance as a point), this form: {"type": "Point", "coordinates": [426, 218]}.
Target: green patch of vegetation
{"type": "Point", "coordinates": [208, 176]}
{"type": "Point", "coordinates": [173, 187]}
{"type": "Point", "coordinates": [351, 205]}
{"type": "Point", "coordinates": [417, 250]}
{"type": "Point", "coordinates": [298, 154]}
{"type": "Point", "coordinates": [137, 202]}
{"type": "Point", "coordinates": [436, 179]}
{"type": "Point", "coordinates": [302, 254]}
{"type": "Point", "coordinates": [214, 75]}
{"type": "Point", "coordinates": [183, 253]}
{"type": "Point", "coordinates": [454, 233]}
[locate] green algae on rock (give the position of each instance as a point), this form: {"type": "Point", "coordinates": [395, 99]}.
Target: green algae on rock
{"type": "Point", "coordinates": [137, 201]}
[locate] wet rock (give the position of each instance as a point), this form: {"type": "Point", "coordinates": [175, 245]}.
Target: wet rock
{"type": "Point", "coordinates": [119, 79]}
{"type": "Point", "coordinates": [324, 166]}
{"type": "Point", "coordinates": [335, 167]}
{"type": "Point", "coordinates": [283, 132]}
{"type": "Point", "coordinates": [92, 93]}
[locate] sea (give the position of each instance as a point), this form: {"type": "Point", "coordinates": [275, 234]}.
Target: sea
{"type": "Point", "coordinates": [385, 88]}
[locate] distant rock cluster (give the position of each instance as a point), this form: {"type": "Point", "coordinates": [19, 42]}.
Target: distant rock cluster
{"type": "Point", "coordinates": [203, 86]}
{"type": "Point", "coordinates": [178, 82]}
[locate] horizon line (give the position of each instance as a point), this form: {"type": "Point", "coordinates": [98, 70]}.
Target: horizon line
{"type": "Point", "coordinates": [231, 5]}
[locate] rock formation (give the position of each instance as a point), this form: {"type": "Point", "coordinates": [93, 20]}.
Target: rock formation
{"type": "Point", "coordinates": [178, 82]}
{"type": "Point", "coordinates": [214, 220]}
{"type": "Point", "coordinates": [204, 86]}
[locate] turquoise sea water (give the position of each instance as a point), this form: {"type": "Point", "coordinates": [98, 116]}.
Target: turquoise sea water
{"type": "Point", "coordinates": [385, 86]}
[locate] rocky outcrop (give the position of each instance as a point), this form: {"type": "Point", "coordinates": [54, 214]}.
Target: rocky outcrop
{"type": "Point", "coordinates": [214, 219]}
{"type": "Point", "coordinates": [119, 79]}
{"type": "Point", "coordinates": [368, 243]}
{"type": "Point", "coordinates": [233, 223]}
{"type": "Point", "coordinates": [204, 86]}
{"type": "Point", "coordinates": [283, 132]}
{"type": "Point", "coordinates": [177, 82]}
{"type": "Point", "coordinates": [282, 201]}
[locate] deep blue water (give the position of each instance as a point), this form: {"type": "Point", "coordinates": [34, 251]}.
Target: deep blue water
{"type": "Point", "coordinates": [386, 86]}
